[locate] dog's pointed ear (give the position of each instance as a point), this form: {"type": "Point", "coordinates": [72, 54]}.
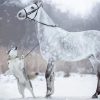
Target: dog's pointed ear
{"type": "Point", "coordinates": [16, 47]}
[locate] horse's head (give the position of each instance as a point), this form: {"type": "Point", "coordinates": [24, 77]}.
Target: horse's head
{"type": "Point", "coordinates": [30, 11]}
{"type": "Point", "coordinates": [12, 52]}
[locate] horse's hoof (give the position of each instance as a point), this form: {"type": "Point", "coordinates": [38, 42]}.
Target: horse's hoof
{"type": "Point", "coordinates": [95, 96]}
{"type": "Point", "coordinates": [48, 95]}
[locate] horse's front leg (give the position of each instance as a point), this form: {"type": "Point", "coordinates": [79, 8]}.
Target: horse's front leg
{"type": "Point", "coordinates": [49, 75]}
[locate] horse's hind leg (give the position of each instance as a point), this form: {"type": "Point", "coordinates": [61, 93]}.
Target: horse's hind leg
{"type": "Point", "coordinates": [96, 64]}
{"type": "Point", "coordinates": [49, 75]}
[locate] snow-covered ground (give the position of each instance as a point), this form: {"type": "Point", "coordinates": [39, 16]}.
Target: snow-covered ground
{"type": "Point", "coordinates": [75, 86]}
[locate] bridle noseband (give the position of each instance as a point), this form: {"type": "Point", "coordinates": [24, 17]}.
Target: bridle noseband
{"type": "Point", "coordinates": [33, 19]}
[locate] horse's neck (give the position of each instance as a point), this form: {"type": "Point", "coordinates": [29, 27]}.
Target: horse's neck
{"type": "Point", "coordinates": [44, 18]}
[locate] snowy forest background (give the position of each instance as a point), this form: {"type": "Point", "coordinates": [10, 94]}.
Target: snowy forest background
{"type": "Point", "coordinates": [23, 34]}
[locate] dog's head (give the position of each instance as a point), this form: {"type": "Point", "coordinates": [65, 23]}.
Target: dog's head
{"type": "Point", "coordinates": [12, 52]}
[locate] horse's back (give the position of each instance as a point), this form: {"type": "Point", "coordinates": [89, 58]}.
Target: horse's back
{"type": "Point", "coordinates": [93, 38]}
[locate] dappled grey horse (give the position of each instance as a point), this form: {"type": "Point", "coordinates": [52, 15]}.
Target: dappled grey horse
{"type": "Point", "coordinates": [17, 68]}
{"type": "Point", "coordinates": [58, 44]}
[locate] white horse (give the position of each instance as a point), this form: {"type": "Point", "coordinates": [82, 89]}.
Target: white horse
{"type": "Point", "coordinates": [17, 68]}
{"type": "Point", "coordinates": [59, 44]}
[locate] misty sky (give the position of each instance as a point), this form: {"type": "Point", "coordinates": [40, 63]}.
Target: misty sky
{"type": "Point", "coordinates": [81, 8]}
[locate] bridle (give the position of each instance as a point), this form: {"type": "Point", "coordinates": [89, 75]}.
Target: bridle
{"type": "Point", "coordinates": [28, 13]}
{"type": "Point", "coordinates": [33, 19]}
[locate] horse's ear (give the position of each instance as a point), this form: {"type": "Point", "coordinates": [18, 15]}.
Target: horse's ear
{"type": "Point", "coordinates": [36, 1]}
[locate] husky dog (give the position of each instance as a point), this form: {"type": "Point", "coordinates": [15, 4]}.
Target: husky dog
{"type": "Point", "coordinates": [17, 68]}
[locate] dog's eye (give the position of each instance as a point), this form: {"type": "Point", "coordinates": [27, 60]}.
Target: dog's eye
{"type": "Point", "coordinates": [32, 7]}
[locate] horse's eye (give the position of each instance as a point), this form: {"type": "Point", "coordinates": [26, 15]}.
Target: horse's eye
{"type": "Point", "coordinates": [32, 7]}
